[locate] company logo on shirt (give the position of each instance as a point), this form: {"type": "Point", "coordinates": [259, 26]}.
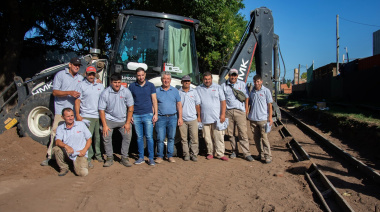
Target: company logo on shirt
{"type": "Point", "coordinates": [78, 80]}
{"type": "Point", "coordinates": [121, 97]}
{"type": "Point", "coordinates": [261, 95]}
{"type": "Point", "coordinates": [98, 89]}
{"type": "Point", "coordinates": [79, 131]}
{"type": "Point", "coordinates": [213, 90]}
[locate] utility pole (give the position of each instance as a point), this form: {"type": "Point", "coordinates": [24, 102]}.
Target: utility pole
{"type": "Point", "coordinates": [299, 73]}
{"type": "Point", "coordinates": [337, 44]}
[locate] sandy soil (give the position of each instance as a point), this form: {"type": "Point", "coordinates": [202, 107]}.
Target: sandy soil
{"type": "Point", "coordinates": [362, 194]}
{"type": "Point", "coordinates": [215, 185]}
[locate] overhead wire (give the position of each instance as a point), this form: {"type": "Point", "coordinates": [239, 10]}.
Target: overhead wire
{"type": "Point", "coordinates": [279, 49]}
{"type": "Point", "coordinates": [359, 22]}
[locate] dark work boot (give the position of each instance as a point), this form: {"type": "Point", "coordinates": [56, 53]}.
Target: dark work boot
{"type": "Point", "coordinates": [108, 162]}
{"type": "Point", "coordinates": [45, 162]}
{"type": "Point", "coordinates": [63, 172]}
{"type": "Point", "coordinates": [125, 161]}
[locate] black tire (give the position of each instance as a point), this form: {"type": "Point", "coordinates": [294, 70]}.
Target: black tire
{"type": "Point", "coordinates": [36, 117]}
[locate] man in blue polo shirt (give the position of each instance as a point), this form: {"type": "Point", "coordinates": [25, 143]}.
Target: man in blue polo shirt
{"type": "Point", "coordinates": [113, 104]}
{"type": "Point", "coordinates": [64, 93]}
{"type": "Point", "coordinates": [190, 112]}
{"type": "Point", "coordinates": [169, 103]}
{"type": "Point", "coordinates": [72, 142]}
{"type": "Point", "coordinates": [86, 109]}
{"type": "Point", "coordinates": [236, 114]}
{"type": "Point", "coordinates": [213, 109]}
{"type": "Point", "coordinates": [144, 96]}
{"type": "Point", "coordinates": [259, 115]}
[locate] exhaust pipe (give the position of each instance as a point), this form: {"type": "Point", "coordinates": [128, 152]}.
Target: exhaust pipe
{"type": "Point", "coordinates": [95, 51]}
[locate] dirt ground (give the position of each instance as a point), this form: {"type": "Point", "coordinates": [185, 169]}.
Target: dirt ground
{"type": "Point", "coordinates": [360, 139]}
{"type": "Point", "coordinates": [362, 194]}
{"type": "Point", "coordinates": [215, 185]}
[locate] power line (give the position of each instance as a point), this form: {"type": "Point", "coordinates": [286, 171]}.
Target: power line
{"type": "Point", "coordinates": [359, 22]}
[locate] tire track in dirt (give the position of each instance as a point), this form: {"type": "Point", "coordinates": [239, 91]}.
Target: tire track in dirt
{"type": "Point", "coordinates": [206, 196]}
{"type": "Point", "coordinates": [161, 187]}
{"type": "Point", "coordinates": [112, 183]}
{"type": "Point", "coordinates": [67, 194]}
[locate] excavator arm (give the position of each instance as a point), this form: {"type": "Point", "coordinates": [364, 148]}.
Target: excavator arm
{"type": "Point", "coordinates": [259, 42]}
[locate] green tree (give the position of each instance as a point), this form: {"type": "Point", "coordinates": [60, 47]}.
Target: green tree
{"type": "Point", "coordinates": [288, 82]}
{"type": "Point", "coordinates": [57, 24]}
{"type": "Point", "coordinates": [16, 18]}
{"type": "Point", "coordinates": [220, 29]}
{"type": "Point", "coordinates": [304, 75]}
{"type": "Point", "coordinates": [67, 25]}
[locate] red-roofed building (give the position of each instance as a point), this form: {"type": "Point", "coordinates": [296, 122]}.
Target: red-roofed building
{"type": "Point", "coordinates": [285, 89]}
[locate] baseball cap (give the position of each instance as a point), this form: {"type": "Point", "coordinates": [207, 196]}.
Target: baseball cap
{"type": "Point", "coordinates": [75, 61]}
{"type": "Point", "coordinates": [186, 77]}
{"type": "Point", "coordinates": [90, 69]}
{"type": "Point", "coordinates": [233, 71]}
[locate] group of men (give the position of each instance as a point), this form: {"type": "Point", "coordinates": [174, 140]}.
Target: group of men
{"type": "Point", "coordinates": [84, 109]}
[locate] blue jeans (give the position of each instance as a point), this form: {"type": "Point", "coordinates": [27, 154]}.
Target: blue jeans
{"type": "Point", "coordinates": [144, 126]}
{"type": "Point", "coordinates": [166, 126]}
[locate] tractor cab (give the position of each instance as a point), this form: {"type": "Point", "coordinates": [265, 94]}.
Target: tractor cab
{"type": "Point", "coordinates": [162, 41]}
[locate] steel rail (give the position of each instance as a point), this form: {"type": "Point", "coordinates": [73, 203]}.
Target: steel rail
{"type": "Point", "coordinates": [371, 173]}
{"type": "Point", "coordinates": [330, 198]}
{"type": "Point", "coordinates": [298, 152]}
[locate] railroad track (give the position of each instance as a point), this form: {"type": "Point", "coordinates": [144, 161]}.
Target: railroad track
{"type": "Point", "coordinates": [329, 197]}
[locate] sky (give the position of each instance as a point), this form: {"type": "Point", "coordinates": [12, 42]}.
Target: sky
{"type": "Point", "coordinates": [307, 30]}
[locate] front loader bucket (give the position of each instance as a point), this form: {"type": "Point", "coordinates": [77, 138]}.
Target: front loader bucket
{"type": "Point", "coordinates": [8, 116]}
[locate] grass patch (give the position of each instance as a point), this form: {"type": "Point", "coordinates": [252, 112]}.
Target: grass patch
{"type": "Point", "coordinates": [355, 114]}
{"type": "Point", "coordinates": [350, 112]}
{"type": "Point", "coordinates": [283, 101]}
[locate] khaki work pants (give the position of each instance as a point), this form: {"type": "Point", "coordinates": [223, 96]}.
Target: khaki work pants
{"type": "Point", "coordinates": [261, 139]}
{"type": "Point", "coordinates": [80, 164]}
{"type": "Point", "coordinates": [214, 138]}
{"type": "Point", "coordinates": [58, 120]}
{"type": "Point", "coordinates": [237, 118]}
{"type": "Point", "coordinates": [189, 128]}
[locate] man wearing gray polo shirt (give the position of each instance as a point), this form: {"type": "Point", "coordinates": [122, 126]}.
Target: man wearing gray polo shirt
{"type": "Point", "coordinates": [86, 109]}
{"type": "Point", "coordinates": [169, 104]}
{"type": "Point", "coordinates": [213, 108]}
{"type": "Point", "coordinates": [113, 104]}
{"type": "Point", "coordinates": [236, 114]}
{"type": "Point", "coordinates": [64, 93]}
{"type": "Point", "coordinates": [190, 112]}
{"type": "Point", "coordinates": [259, 115]}
{"type": "Point", "coordinates": [72, 142]}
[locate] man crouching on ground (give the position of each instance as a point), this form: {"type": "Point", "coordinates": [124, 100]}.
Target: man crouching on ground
{"type": "Point", "coordinates": [72, 142]}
